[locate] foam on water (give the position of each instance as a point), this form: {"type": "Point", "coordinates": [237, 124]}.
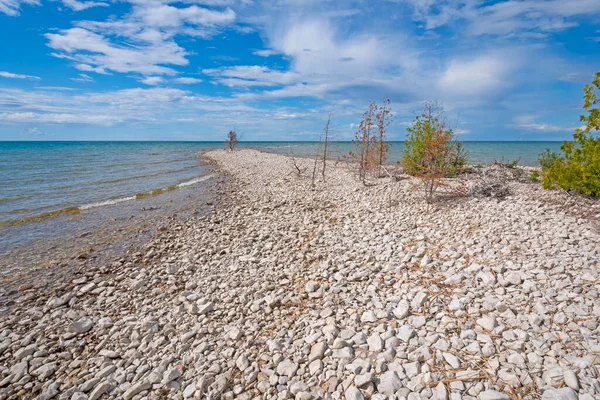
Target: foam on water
{"type": "Point", "coordinates": [106, 203]}
{"type": "Point", "coordinates": [195, 180]}
{"type": "Point", "coordinates": [111, 202]}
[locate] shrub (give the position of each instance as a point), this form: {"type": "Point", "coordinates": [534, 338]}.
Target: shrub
{"type": "Point", "coordinates": [232, 139]}
{"type": "Point", "coordinates": [370, 147]}
{"type": "Point", "coordinates": [512, 164]}
{"type": "Point", "coordinates": [364, 140]}
{"type": "Point", "coordinates": [459, 159]}
{"type": "Point", "coordinates": [579, 170]}
{"type": "Point", "coordinates": [383, 116]}
{"type": "Point", "coordinates": [548, 158]}
{"type": "Point", "coordinates": [432, 153]}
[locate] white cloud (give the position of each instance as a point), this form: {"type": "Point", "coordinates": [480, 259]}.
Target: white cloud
{"type": "Point", "coordinates": [187, 81]}
{"type": "Point", "coordinates": [89, 48]}
{"type": "Point", "coordinates": [83, 78]}
{"type": "Point", "coordinates": [142, 41]}
{"type": "Point", "coordinates": [265, 53]}
{"type": "Point", "coordinates": [152, 80]}
{"type": "Point", "coordinates": [480, 76]}
{"type": "Point", "coordinates": [546, 128]}
{"type": "Point", "coordinates": [78, 5]}
{"type": "Point", "coordinates": [148, 106]}
{"type": "Point", "coordinates": [13, 7]}
{"type": "Point", "coordinates": [252, 75]}
{"type": "Point", "coordinates": [166, 16]}
{"type": "Point", "coordinates": [325, 61]}
{"type": "Point", "coordinates": [89, 68]}
{"type": "Point", "coordinates": [11, 75]}
{"type": "Point", "coordinates": [504, 17]}
{"type": "Point", "coordinates": [101, 108]}
{"type": "Point", "coordinates": [28, 117]}
{"type": "Point", "coordinates": [36, 132]}
{"type": "Point", "coordinates": [529, 123]}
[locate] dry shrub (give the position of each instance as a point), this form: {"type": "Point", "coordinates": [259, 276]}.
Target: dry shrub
{"type": "Point", "coordinates": [491, 181]}
{"type": "Point", "coordinates": [297, 167]}
{"type": "Point", "coordinates": [232, 139]}
{"type": "Point", "coordinates": [370, 147]}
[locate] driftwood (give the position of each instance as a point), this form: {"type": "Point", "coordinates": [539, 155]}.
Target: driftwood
{"type": "Point", "coordinates": [492, 182]}
{"type": "Point", "coordinates": [299, 170]}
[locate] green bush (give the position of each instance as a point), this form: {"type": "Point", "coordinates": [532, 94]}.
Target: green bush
{"type": "Point", "coordinates": [579, 170]}
{"type": "Point", "coordinates": [430, 146]}
{"type": "Point", "coordinates": [512, 164]}
{"type": "Point", "coordinates": [548, 158]}
{"type": "Point", "coordinates": [431, 152]}
{"type": "Point", "coordinates": [459, 157]}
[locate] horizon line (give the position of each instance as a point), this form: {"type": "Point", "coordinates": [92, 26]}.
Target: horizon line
{"type": "Point", "coordinates": [254, 141]}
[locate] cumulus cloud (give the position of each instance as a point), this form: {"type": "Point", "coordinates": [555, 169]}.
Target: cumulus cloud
{"type": "Point", "coordinates": [11, 75]}
{"type": "Point", "coordinates": [88, 48]}
{"type": "Point", "coordinates": [325, 61]}
{"type": "Point", "coordinates": [167, 16]}
{"type": "Point", "coordinates": [329, 56]}
{"type": "Point", "coordinates": [146, 36]}
{"type": "Point", "coordinates": [479, 76]}
{"type": "Point", "coordinates": [152, 80]}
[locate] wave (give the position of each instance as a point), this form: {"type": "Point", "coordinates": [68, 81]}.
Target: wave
{"type": "Point", "coordinates": [106, 202]}
{"type": "Point", "coordinates": [195, 180]}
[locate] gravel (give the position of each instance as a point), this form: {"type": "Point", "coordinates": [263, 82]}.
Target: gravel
{"type": "Point", "coordinates": [331, 291]}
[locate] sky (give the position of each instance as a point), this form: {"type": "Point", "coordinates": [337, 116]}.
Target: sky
{"type": "Point", "coordinates": [275, 70]}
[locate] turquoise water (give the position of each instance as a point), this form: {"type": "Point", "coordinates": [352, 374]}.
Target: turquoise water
{"type": "Point", "coordinates": [38, 179]}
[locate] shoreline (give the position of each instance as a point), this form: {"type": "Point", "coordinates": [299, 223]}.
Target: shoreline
{"type": "Point", "coordinates": [96, 235]}
{"type": "Point", "coordinates": [332, 291]}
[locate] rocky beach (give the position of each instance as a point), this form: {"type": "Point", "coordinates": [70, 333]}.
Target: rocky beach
{"type": "Point", "coordinates": [290, 290]}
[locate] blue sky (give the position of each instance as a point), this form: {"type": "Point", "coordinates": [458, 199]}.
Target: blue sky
{"type": "Point", "coordinates": [193, 69]}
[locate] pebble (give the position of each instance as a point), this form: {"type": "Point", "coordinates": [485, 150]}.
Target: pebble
{"type": "Point", "coordinates": [488, 323]}
{"type": "Point", "coordinates": [352, 393]}
{"type": "Point", "coordinates": [389, 383]}
{"type": "Point", "coordinates": [289, 290]}
{"type": "Point", "coordinates": [82, 326]}
{"type": "Point", "coordinates": [571, 379]}
{"type": "Point", "coordinates": [135, 389]}
{"type": "Point", "coordinates": [493, 395]}
{"type": "Point", "coordinates": [559, 394]}
{"type": "Point", "coordinates": [287, 368]}
{"type": "Point", "coordinates": [99, 390]}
